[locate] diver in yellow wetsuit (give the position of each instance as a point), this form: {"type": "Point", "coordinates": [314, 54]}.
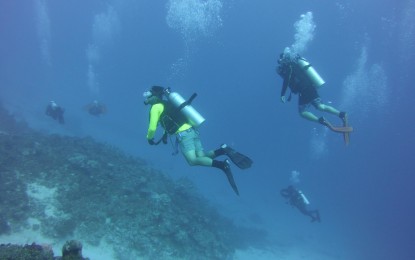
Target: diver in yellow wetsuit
{"type": "Point", "coordinates": [174, 122]}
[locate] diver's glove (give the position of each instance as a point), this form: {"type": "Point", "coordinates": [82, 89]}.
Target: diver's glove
{"type": "Point", "coordinates": [151, 141]}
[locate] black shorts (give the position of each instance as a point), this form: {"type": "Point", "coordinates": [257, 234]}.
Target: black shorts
{"type": "Point", "coordinates": [307, 95]}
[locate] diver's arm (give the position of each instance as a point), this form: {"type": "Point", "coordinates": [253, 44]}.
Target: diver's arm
{"type": "Point", "coordinates": [287, 79]}
{"type": "Point", "coordinates": [284, 89]}
{"type": "Point", "coordinates": [155, 113]}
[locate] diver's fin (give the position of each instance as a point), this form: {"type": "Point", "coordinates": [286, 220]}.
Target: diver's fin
{"type": "Point", "coordinates": [342, 129]}
{"type": "Point", "coordinates": [346, 135]}
{"type": "Point", "coordinates": [240, 160]}
{"type": "Point", "coordinates": [337, 129]}
{"type": "Point", "coordinates": [228, 172]}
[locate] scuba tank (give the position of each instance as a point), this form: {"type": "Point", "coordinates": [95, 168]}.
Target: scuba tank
{"type": "Point", "coordinates": [310, 72]}
{"type": "Point", "coordinates": [304, 197]}
{"type": "Point", "coordinates": [193, 117]}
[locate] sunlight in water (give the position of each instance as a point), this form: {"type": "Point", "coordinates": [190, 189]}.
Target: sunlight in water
{"type": "Point", "coordinates": [105, 25]}
{"type": "Point", "coordinates": [365, 89]}
{"type": "Point", "coordinates": [194, 18]}
{"type": "Point", "coordinates": [178, 69]}
{"type": "Point", "coordinates": [295, 177]}
{"type": "Point", "coordinates": [318, 143]}
{"type": "Point", "coordinates": [43, 29]}
{"type": "Point", "coordinates": [406, 38]}
{"type": "Point", "coordinates": [304, 32]}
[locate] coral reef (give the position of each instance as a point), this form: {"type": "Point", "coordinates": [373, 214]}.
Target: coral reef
{"type": "Point", "coordinates": [72, 250]}
{"type": "Point", "coordinates": [26, 252]}
{"type": "Point", "coordinates": [77, 187]}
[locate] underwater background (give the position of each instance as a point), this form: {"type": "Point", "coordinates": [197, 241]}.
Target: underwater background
{"type": "Point", "coordinates": [74, 52]}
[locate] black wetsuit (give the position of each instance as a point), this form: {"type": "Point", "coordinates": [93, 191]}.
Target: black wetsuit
{"type": "Point", "coordinates": [295, 199]}
{"type": "Point", "coordinates": [56, 113]}
{"type": "Point", "coordinates": [96, 110]}
{"type": "Point", "coordinates": [298, 83]}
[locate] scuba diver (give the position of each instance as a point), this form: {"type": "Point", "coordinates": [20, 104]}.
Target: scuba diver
{"type": "Point", "coordinates": [302, 79]}
{"type": "Point", "coordinates": [297, 199]}
{"type": "Point", "coordinates": [177, 117]}
{"type": "Point", "coordinates": [96, 108]}
{"type": "Point", "coordinates": [55, 111]}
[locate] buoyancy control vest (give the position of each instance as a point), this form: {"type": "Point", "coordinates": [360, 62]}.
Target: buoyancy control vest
{"type": "Point", "coordinates": [300, 74]}
{"type": "Point", "coordinates": [171, 119]}
{"type": "Point", "coordinates": [178, 111]}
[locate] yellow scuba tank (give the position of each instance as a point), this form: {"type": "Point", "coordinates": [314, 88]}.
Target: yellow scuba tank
{"type": "Point", "coordinates": [194, 118]}
{"type": "Point", "coordinates": [310, 72]}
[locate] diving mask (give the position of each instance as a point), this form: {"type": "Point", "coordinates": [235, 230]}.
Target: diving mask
{"type": "Point", "coordinates": [150, 99]}
{"type": "Point", "coordinates": [147, 94]}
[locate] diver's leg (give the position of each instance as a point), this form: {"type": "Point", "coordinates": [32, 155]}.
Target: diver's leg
{"type": "Point", "coordinates": [200, 152]}
{"type": "Point", "coordinates": [193, 159]}
{"type": "Point", "coordinates": [211, 154]}
{"type": "Point", "coordinates": [192, 150]}
{"type": "Point", "coordinates": [304, 112]}
{"type": "Point", "coordinates": [342, 115]}
{"type": "Point", "coordinates": [328, 109]}
{"type": "Point", "coordinates": [309, 213]}
{"type": "Point", "coordinates": [318, 215]}
{"type": "Point", "coordinates": [315, 215]}
{"type": "Point", "coordinates": [60, 119]}
{"type": "Point", "coordinates": [239, 159]}
{"type": "Point", "coordinates": [215, 153]}
{"type": "Point", "coordinates": [309, 116]}
{"type": "Point", "coordinates": [302, 208]}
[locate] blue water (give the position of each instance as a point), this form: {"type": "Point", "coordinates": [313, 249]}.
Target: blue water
{"type": "Point", "coordinates": [76, 51]}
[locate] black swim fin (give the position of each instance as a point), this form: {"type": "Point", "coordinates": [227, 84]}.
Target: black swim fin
{"type": "Point", "coordinates": [227, 170]}
{"type": "Point", "coordinates": [240, 160]}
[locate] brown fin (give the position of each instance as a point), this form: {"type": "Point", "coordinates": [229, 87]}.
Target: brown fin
{"type": "Point", "coordinates": [340, 129]}
{"type": "Point", "coordinates": [346, 135]}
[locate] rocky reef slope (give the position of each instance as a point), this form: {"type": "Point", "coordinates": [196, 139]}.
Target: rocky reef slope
{"type": "Point", "coordinates": [65, 187]}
